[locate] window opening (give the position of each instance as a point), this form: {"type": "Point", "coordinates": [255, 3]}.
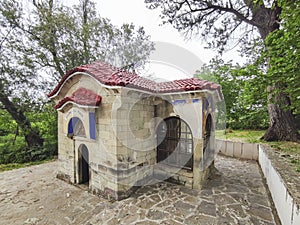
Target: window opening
{"type": "Point", "coordinates": [175, 143]}
{"type": "Point", "coordinates": [76, 128]}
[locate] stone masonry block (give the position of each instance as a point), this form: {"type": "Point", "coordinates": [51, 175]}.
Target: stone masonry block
{"type": "Point", "coordinates": [237, 149]}
{"type": "Point", "coordinates": [229, 148]}
{"type": "Point", "coordinates": [221, 146]}
{"type": "Point", "coordinates": [255, 152]}
{"type": "Point", "coordinates": [247, 151]}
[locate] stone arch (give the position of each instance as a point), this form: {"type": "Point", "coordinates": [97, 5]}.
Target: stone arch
{"type": "Point", "coordinates": [175, 145]}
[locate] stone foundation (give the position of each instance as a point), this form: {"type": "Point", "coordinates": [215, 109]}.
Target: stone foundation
{"type": "Point", "coordinates": [64, 177]}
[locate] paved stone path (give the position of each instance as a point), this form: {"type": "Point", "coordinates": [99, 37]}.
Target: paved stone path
{"type": "Point", "coordinates": [236, 196]}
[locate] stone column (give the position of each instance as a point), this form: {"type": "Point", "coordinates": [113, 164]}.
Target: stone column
{"type": "Point", "coordinates": [197, 174]}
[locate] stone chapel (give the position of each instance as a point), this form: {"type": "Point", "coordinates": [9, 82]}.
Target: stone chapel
{"type": "Point", "coordinates": [118, 130]}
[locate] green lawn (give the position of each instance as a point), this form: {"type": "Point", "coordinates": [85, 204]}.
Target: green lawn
{"type": "Point", "coordinates": [11, 166]}
{"type": "Point", "coordinates": [252, 136]}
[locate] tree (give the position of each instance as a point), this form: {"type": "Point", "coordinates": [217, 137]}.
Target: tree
{"type": "Point", "coordinates": [40, 42]}
{"type": "Point", "coordinates": [246, 106]}
{"type": "Point", "coordinates": [283, 52]}
{"type": "Point", "coordinates": [247, 22]}
{"type": "Point", "coordinates": [13, 74]}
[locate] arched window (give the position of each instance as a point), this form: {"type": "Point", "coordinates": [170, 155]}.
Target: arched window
{"type": "Point", "coordinates": [76, 128]}
{"type": "Point", "coordinates": [175, 143]}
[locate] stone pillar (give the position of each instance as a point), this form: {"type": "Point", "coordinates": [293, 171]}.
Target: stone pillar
{"type": "Point", "coordinates": [197, 174]}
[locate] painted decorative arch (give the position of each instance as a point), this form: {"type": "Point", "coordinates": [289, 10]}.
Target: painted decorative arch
{"type": "Point", "coordinates": [76, 127]}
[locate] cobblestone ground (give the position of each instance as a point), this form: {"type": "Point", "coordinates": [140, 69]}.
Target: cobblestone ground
{"type": "Point", "coordinates": [236, 196]}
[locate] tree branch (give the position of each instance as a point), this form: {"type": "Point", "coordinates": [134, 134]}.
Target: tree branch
{"type": "Point", "coordinates": [236, 13]}
{"type": "Point", "coordinates": [5, 38]}
{"type": "Point", "coordinates": [213, 7]}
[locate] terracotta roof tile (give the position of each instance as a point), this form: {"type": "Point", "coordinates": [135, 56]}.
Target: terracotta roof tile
{"type": "Point", "coordinates": [112, 76]}
{"type": "Point", "coordinates": [81, 96]}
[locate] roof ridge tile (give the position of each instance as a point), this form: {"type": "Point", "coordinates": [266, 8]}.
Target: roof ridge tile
{"type": "Point", "coordinates": [113, 76]}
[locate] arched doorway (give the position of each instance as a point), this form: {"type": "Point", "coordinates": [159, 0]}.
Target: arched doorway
{"type": "Point", "coordinates": [83, 165]}
{"type": "Point", "coordinates": [175, 143]}
{"type": "Point", "coordinates": [207, 134]}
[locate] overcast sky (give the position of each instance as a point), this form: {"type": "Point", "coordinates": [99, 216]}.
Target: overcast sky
{"type": "Point", "coordinates": [135, 11]}
{"type": "Point", "coordinates": [188, 55]}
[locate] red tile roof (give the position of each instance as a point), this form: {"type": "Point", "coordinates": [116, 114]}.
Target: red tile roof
{"type": "Point", "coordinates": [112, 76]}
{"type": "Point", "coordinates": [81, 96]}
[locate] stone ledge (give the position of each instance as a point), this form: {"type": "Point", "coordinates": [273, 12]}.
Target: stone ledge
{"type": "Point", "coordinates": [113, 195]}
{"type": "Point", "coordinates": [238, 149]}
{"type": "Point", "coordinates": [284, 184]}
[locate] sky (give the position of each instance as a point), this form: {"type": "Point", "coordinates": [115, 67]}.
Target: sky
{"type": "Point", "coordinates": [174, 57]}
{"type": "Point", "coordinates": [168, 38]}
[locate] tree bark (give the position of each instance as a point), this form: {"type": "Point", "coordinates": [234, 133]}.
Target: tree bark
{"type": "Point", "coordinates": [282, 122]}
{"type": "Point", "coordinates": [32, 137]}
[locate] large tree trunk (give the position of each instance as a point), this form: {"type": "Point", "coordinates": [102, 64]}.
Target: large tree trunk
{"type": "Point", "coordinates": [32, 137]}
{"type": "Point", "coordinates": [282, 122]}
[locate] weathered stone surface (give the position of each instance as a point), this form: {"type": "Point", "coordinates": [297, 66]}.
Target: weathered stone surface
{"type": "Point", "coordinates": [207, 208]}
{"type": "Point", "coordinates": [200, 219]}
{"type": "Point", "coordinates": [155, 214]}
{"type": "Point", "coordinates": [235, 196]}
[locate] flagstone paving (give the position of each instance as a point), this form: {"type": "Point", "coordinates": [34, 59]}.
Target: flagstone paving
{"type": "Point", "coordinates": [235, 195]}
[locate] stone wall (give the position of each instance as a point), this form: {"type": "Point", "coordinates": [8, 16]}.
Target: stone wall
{"type": "Point", "coordinates": [284, 193]}
{"type": "Point", "coordinates": [102, 149]}
{"type": "Point", "coordinates": [136, 140]}
{"type": "Point", "coordinates": [238, 149]}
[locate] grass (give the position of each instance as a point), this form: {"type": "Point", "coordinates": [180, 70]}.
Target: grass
{"type": "Point", "coordinates": [290, 149]}
{"type": "Point", "coordinates": [11, 166]}
{"type": "Point", "coordinates": [252, 136]}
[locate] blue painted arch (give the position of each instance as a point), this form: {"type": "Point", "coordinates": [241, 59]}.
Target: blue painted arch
{"type": "Point", "coordinates": [76, 127]}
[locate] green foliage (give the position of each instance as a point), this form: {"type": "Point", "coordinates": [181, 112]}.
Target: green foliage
{"type": "Point", "coordinates": [12, 144]}
{"type": "Point", "coordinates": [267, 31]}
{"type": "Point", "coordinates": [66, 37]}
{"type": "Point", "coordinates": [13, 148]}
{"type": "Point", "coordinates": [245, 96]}
{"type": "Point", "coordinates": [39, 41]}
{"type": "Point", "coordinates": [283, 51]}
{"type": "Point", "coordinates": [219, 23]}
{"type": "Point", "coordinates": [7, 124]}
